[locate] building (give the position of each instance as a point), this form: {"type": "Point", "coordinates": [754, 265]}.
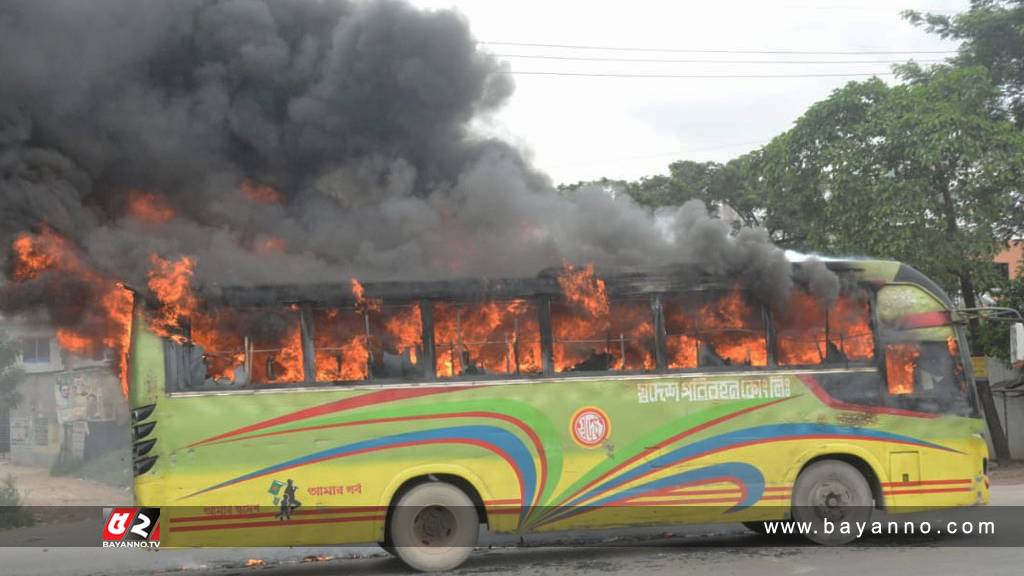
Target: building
{"type": "Point", "coordinates": [71, 407]}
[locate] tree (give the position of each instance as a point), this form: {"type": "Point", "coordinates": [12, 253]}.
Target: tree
{"type": "Point", "coordinates": [928, 172]}
{"type": "Point", "coordinates": [992, 35]}
{"type": "Point", "coordinates": [10, 375]}
{"type": "Point", "coordinates": [714, 183]}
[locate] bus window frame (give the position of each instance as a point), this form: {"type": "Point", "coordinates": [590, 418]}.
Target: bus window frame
{"type": "Point", "coordinates": [765, 322]}
{"type": "Point", "coordinates": [877, 360]}
{"type": "Point", "coordinates": [542, 305]}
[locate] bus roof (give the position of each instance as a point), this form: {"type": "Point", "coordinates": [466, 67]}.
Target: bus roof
{"type": "Point", "coordinates": [620, 282]}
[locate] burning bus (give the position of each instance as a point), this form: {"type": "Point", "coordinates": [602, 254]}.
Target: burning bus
{"type": "Point", "coordinates": [410, 413]}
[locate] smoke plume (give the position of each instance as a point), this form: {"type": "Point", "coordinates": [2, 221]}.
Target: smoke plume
{"type": "Point", "coordinates": [291, 141]}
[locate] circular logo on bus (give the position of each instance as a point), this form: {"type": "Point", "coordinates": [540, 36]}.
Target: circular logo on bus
{"type": "Point", "coordinates": [590, 427]}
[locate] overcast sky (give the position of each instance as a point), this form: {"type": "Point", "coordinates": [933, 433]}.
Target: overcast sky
{"type": "Point", "coordinates": [580, 128]}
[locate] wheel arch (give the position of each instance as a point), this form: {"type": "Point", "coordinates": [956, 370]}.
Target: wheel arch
{"type": "Point", "coordinates": [866, 463]}
{"type": "Point", "coordinates": [459, 477]}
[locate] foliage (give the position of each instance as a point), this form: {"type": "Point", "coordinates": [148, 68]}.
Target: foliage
{"type": "Point", "coordinates": [994, 337]}
{"type": "Point", "coordinates": [992, 35]}
{"type": "Point", "coordinates": [12, 512]}
{"type": "Point", "coordinates": [10, 375]}
{"type": "Point", "coordinates": [927, 172]}
{"type": "Point", "coordinates": [714, 183]}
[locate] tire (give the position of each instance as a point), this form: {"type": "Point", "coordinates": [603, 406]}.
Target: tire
{"type": "Point", "coordinates": [387, 548]}
{"type": "Point", "coordinates": [831, 493]}
{"type": "Point", "coordinates": [433, 527]}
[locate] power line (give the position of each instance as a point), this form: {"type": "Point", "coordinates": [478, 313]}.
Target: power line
{"type": "Point", "coordinates": [710, 51]}
{"type": "Point", "coordinates": [704, 61]}
{"type": "Point", "coordinates": [699, 76]}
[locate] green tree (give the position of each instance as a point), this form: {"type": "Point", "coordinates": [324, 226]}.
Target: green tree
{"type": "Point", "coordinates": [10, 375]}
{"type": "Point", "coordinates": [714, 183]}
{"type": "Point", "coordinates": [992, 35]}
{"type": "Point", "coordinates": [927, 172]}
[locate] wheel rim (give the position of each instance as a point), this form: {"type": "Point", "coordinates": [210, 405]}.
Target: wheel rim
{"type": "Point", "coordinates": [435, 526]}
{"type": "Point", "coordinates": [831, 499]}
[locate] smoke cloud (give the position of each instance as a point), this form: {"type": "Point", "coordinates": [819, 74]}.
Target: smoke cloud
{"type": "Point", "coordinates": [303, 141]}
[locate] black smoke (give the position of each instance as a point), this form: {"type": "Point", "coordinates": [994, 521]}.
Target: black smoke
{"type": "Point", "coordinates": [358, 113]}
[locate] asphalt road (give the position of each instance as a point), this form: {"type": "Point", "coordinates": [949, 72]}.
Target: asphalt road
{"type": "Point", "coordinates": [718, 549]}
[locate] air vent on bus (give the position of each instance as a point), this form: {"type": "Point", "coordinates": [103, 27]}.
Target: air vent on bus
{"type": "Point", "coordinates": [140, 449]}
{"type": "Point", "coordinates": [142, 412]}
{"type": "Point", "coordinates": [143, 465]}
{"type": "Point", "coordinates": [140, 431]}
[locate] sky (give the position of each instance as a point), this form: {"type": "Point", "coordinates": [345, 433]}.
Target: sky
{"type": "Point", "coordinates": [584, 128]}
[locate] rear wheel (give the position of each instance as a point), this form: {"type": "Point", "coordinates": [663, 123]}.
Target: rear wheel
{"type": "Point", "coordinates": [832, 497]}
{"type": "Point", "coordinates": [433, 527]}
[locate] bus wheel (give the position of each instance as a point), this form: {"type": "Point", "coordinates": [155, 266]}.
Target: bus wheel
{"type": "Point", "coordinates": [434, 527]}
{"type": "Point", "coordinates": [831, 497]}
{"type": "Point", "coordinates": [387, 548]}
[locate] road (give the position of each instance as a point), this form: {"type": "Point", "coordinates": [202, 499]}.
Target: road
{"type": "Point", "coordinates": [718, 549]}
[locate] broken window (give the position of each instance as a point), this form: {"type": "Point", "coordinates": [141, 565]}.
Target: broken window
{"type": "Point", "coordinates": [493, 337]}
{"type": "Point", "coordinates": [248, 346]}
{"type": "Point", "coordinates": [808, 334]}
{"type": "Point", "coordinates": [375, 342]}
{"type": "Point", "coordinates": [619, 336]}
{"type": "Point", "coordinates": [714, 328]}
{"type": "Point", "coordinates": [928, 377]}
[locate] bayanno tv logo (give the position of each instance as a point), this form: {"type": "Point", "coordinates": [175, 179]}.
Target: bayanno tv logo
{"type": "Point", "coordinates": [131, 528]}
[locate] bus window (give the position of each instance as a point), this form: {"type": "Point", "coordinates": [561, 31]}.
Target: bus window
{"type": "Point", "coordinates": [928, 377]}
{"type": "Point", "coordinates": [493, 337]}
{"type": "Point", "coordinates": [619, 337]}
{"type": "Point", "coordinates": [806, 334]}
{"type": "Point", "coordinates": [374, 342]}
{"type": "Point", "coordinates": [249, 346]}
{"type": "Point", "coordinates": [704, 329]}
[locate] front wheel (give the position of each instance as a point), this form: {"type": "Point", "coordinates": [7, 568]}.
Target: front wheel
{"type": "Point", "coordinates": [434, 527]}
{"type": "Point", "coordinates": [830, 498]}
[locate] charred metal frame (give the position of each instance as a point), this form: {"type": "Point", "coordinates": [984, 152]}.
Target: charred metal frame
{"type": "Point", "coordinates": [541, 291]}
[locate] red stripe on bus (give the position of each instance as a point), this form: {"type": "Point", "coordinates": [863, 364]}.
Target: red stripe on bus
{"type": "Point", "coordinates": [370, 399]}
{"type": "Point", "coordinates": [685, 492]}
{"type": "Point", "coordinates": [925, 320]}
{"type": "Point", "coordinates": [277, 523]}
{"type": "Point", "coordinates": [500, 502]}
{"type": "Point", "coordinates": [831, 402]}
{"type": "Point", "coordinates": [634, 504]}
{"type": "Point", "coordinates": [671, 440]}
{"type": "Point", "coordinates": [311, 512]}
{"type": "Point", "coordinates": [926, 491]}
{"type": "Point", "coordinates": [926, 483]}
{"type": "Point", "coordinates": [776, 497]}
{"type": "Point", "coordinates": [501, 511]}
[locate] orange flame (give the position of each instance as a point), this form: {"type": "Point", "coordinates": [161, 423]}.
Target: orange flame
{"type": "Point", "coordinates": [487, 338]}
{"type": "Point", "coordinates": [590, 333]}
{"type": "Point", "coordinates": [582, 288]}
{"type": "Point", "coordinates": [261, 194]}
{"type": "Point", "coordinates": [170, 283]}
{"type": "Point", "coordinates": [37, 253]}
{"type": "Point", "coordinates": [362, 302]}
{"type": "Point", "coordinates": [110, 327]}
{"type": "Point", "coordinates": [727, 327]}
{"type": "Point", "coordinates": [150, 207]}
{"type": "Point", "coordinates": [273, 245]}
{"type": "Point", "coordinates": [900, 365]}
{"type": "Point", "coordinates": [809, 336]}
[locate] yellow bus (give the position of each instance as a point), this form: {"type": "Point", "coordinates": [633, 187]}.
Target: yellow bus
{"type": "Point", "coordinates": [410, 414]}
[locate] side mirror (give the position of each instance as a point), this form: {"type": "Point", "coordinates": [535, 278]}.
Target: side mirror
{"type": "Point", "coordinates": [1017, 344]}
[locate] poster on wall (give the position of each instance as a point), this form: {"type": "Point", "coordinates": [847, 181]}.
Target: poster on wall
{"type": "Point", "coordinates": [82, 397]}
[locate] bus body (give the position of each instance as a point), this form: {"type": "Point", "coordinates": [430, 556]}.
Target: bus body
{"type": "Point", "coordinates": [314, 463]}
